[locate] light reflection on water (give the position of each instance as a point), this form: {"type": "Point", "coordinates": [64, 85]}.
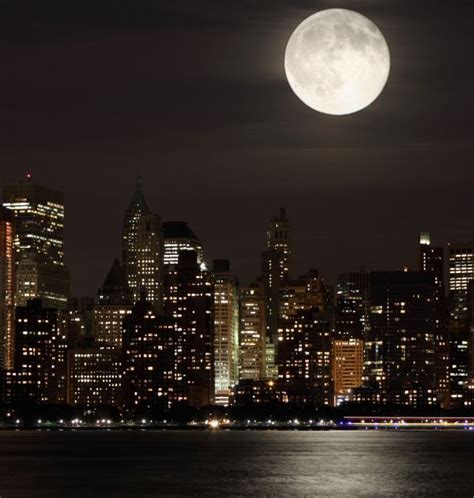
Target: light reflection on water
{"type": "Point", "coordinates": [223, 463]}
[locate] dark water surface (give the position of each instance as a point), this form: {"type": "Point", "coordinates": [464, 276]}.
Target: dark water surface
{"type": "Point", "coordinates": [222, 463]}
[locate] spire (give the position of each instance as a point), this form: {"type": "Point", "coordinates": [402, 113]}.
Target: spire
{"type": "Point", "coordinates": [115, 288]}
{"type": "Point", "coordinates": [115, 277]}
{"type": "Point", "coordinates": [138, 202]}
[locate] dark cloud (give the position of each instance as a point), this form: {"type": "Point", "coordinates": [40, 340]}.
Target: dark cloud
{"type": "Point", "coordinates": [192, 95]}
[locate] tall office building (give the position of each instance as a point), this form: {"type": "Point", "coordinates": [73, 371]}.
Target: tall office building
{"type": "Point", "coordinates": [400, 361]}
{"type": "Point", "coordinates": [188, 304]}
{"type": "Point", "coordinates": [304, 354]}
{"type": "Point", "coordinates": [431, 260]}
{"type": "Point", "coordinates": [252, 334]}
{"type": "Point", "coordinates": [148, 359]}
{"type": "Point", "coordinates": [142, 250]}
{"type": "Point", "coordinates": [114, 304]}
{"type": "Point", "coordinates": [226, 330]}
{"type": "Point", "coordinates": [7, 289]}
{"type": "Point", "coordinates": [347, 368]}
{"type": "Point", "coordinates": [275, 270]}
{"type": "Point", "coordinates": [39, 352]}
{"type": "Point", "coordinates": [39, 244]}
{"type": "Point", "coordinates": [177, 237]}
{"type": "Point", "coordinates": [461, 273]}
{"type": "Point", "coordinates": [352, 307]}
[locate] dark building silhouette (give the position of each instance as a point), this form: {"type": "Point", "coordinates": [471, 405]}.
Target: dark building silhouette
{"type": "Point", "coordinates": [76, 320]}
{"type": "Point", "coordinates": [40, 353]}
{"type": "Point", "coordinates": [276, 261]}
{"type": "Point", "coordinates": [148, 360]}
{"type": "Point", "coordinates": [400, 359]}
{"type": "Point", "coordinates": [304, 353]}
{"type": "Point", "coordinates": [188, 303]}
{"type": "Point", "coordinates": [352, 305]}
{"type": "Point", "coordinates": [431, 260]}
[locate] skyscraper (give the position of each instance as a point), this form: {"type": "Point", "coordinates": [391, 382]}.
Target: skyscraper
{"type": "Point", "coordinates": [178, 236]}
{"type": "Point", "coordinates": [461, 273]}
{"type": "Point", "coordinates": [347, 368]}
{"type": "Point", "coordinates": [252, 333]}
{"type": "Point", "coordinates": [431, 260]}
{"type": "Point", "coordinates": [226, 330]}
{"type": "Point", "coordinates": [38, 350]}
{"type": "Point", "coordinates": [114, 304]}
{"type": "Point", "coordinates": [304, 353]}
{"type": "Point", "coordinates": [142, 250]}
{"type": "Point", "coordinates": [275, 273]}
{"type": "Point", "coordinates": [148, 359]}
{"type": "Point", "coordinates": [188, 304]}
{"type": "Point", "coordinates": [403, 321]}
{"type": "Point", "coordinates": [7, 289]}
{"type": "Point", "coordinates": [39, 244]}
{"type": "Point", "coordinates": [352, 294]}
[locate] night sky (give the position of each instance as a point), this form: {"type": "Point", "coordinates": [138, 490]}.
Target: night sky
{"type": "Point", "coordinates": [192, 96]}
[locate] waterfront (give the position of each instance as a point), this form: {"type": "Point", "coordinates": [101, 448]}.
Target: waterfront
{"type": "Point", "coordinates": [126, 464]}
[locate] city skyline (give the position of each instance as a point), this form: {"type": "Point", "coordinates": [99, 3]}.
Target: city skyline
{"type": "Point", "coordinates": [236, 248]}
{"type": "Point", "coordinates": [169, 328]}
{"type": "Point", "coordinates": [174, 227]}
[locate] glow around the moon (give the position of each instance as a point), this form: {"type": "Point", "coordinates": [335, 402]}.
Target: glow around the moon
{"type": "Point", "coordinates": [337, 61]}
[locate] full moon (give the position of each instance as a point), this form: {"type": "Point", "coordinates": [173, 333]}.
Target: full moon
{"type": "Point", "coordinates": [337, 61]}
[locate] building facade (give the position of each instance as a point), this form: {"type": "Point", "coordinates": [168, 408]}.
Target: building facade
{"type": "Point", "coordinates": [114, 304]}
{"type": "Point", "coordinates": [94, 377]}
{"type": "Point", "coordinates": [142, 250]}
{"type": "Point", "coordinates": [178, 236]}
{"type": "Point", "coordinates": [400, 360]}
{"type": "Point", "coordinates": [40, 352]}
{"type": "Point", "coordinates": [7, 290]}
{"type": "Point", "coordinates": [304, 353]}
{"type": "Point", "coordinates": [461, 273]}
{"type": "Point", "coordinates": [188, 304]}
{"type": "Point", "coordinates": [252, 334]}
{"type": "Point", "coordinates": [347, 368]}
{"type": "Point", "coordinates": [276, 260]}
{"type": "Point", "coordinates": [226, 330]}
{"type": "Point", "coordinates": [149, 352]}
{"type": "Point", "coordinates": [41, 272]}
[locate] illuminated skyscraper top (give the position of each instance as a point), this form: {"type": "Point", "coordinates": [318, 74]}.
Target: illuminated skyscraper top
{"type": "Point", "coordinates": [39, 243]}
{"type": "Point", "coordinates": [178, 237]}
{"type": "Point", "coordinates": [142, 250]}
